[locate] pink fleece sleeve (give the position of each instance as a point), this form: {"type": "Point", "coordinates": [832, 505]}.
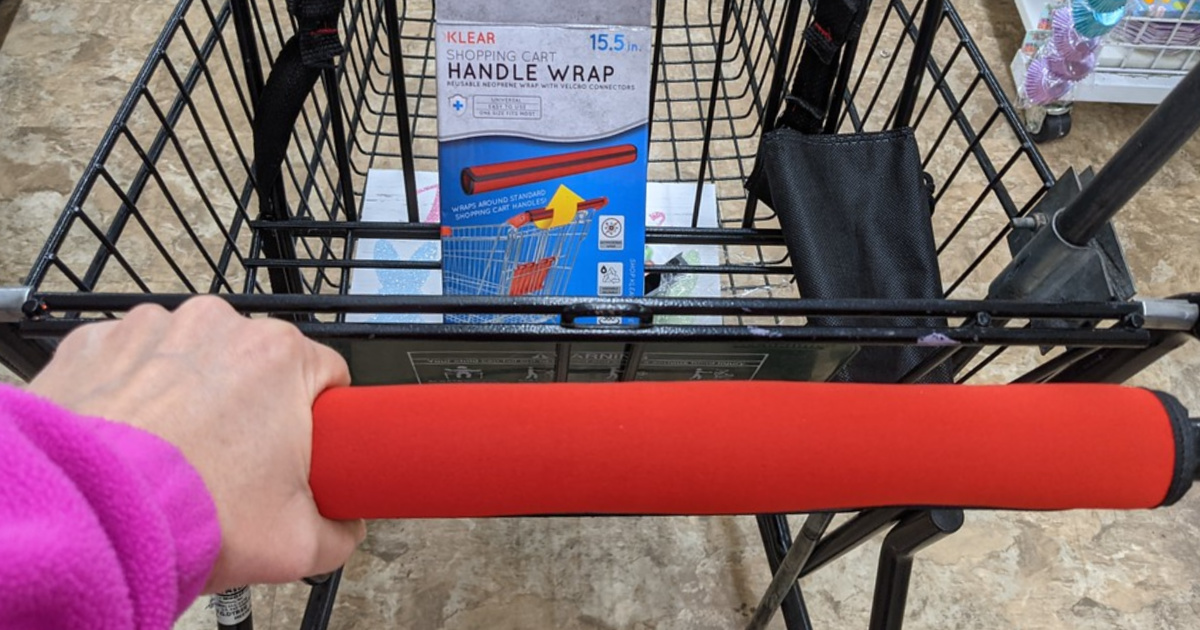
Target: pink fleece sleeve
{"type": "Point", "coordinates": [101, 525]}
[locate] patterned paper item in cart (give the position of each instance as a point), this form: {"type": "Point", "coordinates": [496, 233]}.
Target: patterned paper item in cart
{"type": "Point", "coordinates": [668, 205]}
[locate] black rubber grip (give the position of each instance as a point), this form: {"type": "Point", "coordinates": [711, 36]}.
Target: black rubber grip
{"type": "Point", "coordinates": [1187, 457]}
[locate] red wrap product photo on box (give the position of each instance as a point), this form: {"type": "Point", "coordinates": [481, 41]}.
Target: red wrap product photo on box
{"type": "Point", "coordinates": [489, 177]}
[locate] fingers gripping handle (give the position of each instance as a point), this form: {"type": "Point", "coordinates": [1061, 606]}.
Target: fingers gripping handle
{"type": "Point", "coordinates": [445, 451]}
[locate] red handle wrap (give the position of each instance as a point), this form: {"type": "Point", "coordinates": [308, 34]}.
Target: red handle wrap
{"type": "Point", "coordinates": [447, 451]}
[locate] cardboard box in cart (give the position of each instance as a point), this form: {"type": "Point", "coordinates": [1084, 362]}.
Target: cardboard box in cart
{"type": "Point", "coordinates": [543, 131]}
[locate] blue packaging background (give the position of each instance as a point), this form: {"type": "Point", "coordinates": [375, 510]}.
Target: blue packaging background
{"type": "Point", "coordinates": [624, 186]}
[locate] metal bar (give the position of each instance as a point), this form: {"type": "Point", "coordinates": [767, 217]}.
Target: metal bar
{"type": "Point", "coordinates": [920, 60]}
{"type": "Point", "coordinates": [865, 308]}
{"type": "Point", "coordinates": [660, 11]}
{"type": "Point", "coordinates": [893, 57]}
{"type": "Point", "coordinates": [243, 27]}
{"type": "Point", "coordinates": [232, 604]}
{"type": "Point", "coordinates": [779, 84]}
{"type": "Point", "coordinates": [778, 270]}
{"type": "Point", "coordinates": [562, 362]}
{"type": "Point", "coordinates": [284, 281]}
{"type": "Point", "coordinates": [845, 69]}
{"type": "Point", "coordinates": [1048, 370]}
{"type": "Point", "coordinates": [776, 540]}
{"type": "Point", "coordinates": [1117, 365]}
{"type": "Point", "coordinates": [929, 364]}
{"type": "Point", "coordinates": [913, 534]}
{"type": "Point", "coordinates": [872, 336]}
{"type": "Point", "coordinates": [1165, 131]}
{"type": "Point", "coordinates": [12, 303]}
{"type": "Point", "coordinates": [333, 96]}
{"type": "Point", "coordinates": [235, 228]}
{"type": "Point", "coordinates": [308, 263]}
{"type": "Point", "coordinates": [24, 357]}
{"type": "Point", "coordinates": [1171, 314]}
{"type": "Point", "coordinates": [400, 95]}
{"type": "Point", "coordinates": [788, 571]}
{"type": "Point", "coordinates": [362, 24]}
{"type": "Point", "coordinates": [311, 186]}
{"type": "Point", "coordinates": [849, 535]}
{"type": "Point", "coordinates": [301, 228]}
{"type": "Point", "coordinates": [726, 15]}
{"type": "Point", "coordinates": [320, 603]}
{"type": "Point", "coordinates": [633, 352]}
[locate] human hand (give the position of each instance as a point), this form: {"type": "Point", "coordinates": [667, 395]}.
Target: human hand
{"type": "Point", "coordinates": [235, 395]}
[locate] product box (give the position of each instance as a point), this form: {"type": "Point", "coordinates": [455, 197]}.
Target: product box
{"type": "Point", "coordinates": [384, 198]}
{"type": "Point", "coordinates": [543, 119]}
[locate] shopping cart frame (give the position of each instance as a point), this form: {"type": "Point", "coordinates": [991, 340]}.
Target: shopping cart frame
{"type": "Point", "coordinates": [1120, 338]}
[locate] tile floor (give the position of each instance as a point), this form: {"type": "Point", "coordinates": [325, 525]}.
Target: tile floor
{"type": "Point", "coordinates": [64, 67]}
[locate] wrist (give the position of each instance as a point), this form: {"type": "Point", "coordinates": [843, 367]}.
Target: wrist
{"type": "Point", "coordinates": [175, 486]}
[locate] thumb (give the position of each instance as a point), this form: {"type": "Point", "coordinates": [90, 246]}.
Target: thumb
{"type": "Point", "coordinates": [336, 540]}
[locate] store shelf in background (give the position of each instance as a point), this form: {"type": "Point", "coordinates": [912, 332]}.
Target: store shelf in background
{"type": "Point", "coordinates": [1030, 11]}
{"type": "Point", "coordinates": [1150, 71]}
{"type": "Point", "coordinates": [1112, 87]}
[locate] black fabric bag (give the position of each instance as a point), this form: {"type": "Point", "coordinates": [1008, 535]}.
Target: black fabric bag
{"type": "Point", "coordinates": [855, 213]}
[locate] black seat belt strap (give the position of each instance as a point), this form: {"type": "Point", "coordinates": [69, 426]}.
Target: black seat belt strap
{"type": "Point", "coordinates": [317, 27]}
{"type": "Point", "coordinates": [835, 23]}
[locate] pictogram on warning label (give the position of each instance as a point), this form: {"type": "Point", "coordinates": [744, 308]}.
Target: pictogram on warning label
{"type": "Point", "coordinates": [482, 367]}
{"type": "Point", "coordinates": [597, 366]}
{"type": "Point", "coordinates": [693, 366]}
{"type": "Point", "coordinates": [610, 279]}
{"type": "Point", "coordinates": [612, 232]}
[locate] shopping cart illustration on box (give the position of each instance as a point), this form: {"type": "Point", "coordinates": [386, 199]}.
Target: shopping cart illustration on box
{"type": "Point", "coordinates": [525, 255]}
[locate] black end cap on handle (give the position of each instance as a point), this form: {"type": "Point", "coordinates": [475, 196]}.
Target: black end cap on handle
{"type": "Point", "coordinates": [1187, 448]}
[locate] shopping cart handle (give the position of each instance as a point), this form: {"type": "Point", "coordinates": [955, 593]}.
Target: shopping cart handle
{"type": "Point", "coordinates": [542, 214]}
{"type": "Point", "coordinates": [448, 451]}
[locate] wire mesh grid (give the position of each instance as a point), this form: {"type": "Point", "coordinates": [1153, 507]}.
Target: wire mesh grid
{"type": "Point", "coordinates": [168, 204]}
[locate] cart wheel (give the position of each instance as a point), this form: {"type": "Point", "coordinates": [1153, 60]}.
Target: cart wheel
{"type": "Point", "coordinates": [1053, 127]}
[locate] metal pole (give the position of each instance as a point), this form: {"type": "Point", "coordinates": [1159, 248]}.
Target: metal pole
{"type": "Point", "coordinates": [777, 540]}
{"type": "Point", "coordinates": [320, 603]}
{"type": "Point", "coordinates": [770, 113]}
{"type": "Point", "coordinates": [243, 26]}
{"type": "Point", "coordinates": [233, 609]}
{"type": "Point", "coordinates": [920, 59]}
{"type": "Point", "coordinates": [849, 535]}
{"type": "Point", "coordinates": [895, 562]}
{"type": "Point", "coordinates": [400, 96]}
{"type": "Point", "coordinates": [789, 570]}
{"type": "Point", "coordinates": [341, 149]}
{"type": "Point", "coordinates": [726, 16]}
